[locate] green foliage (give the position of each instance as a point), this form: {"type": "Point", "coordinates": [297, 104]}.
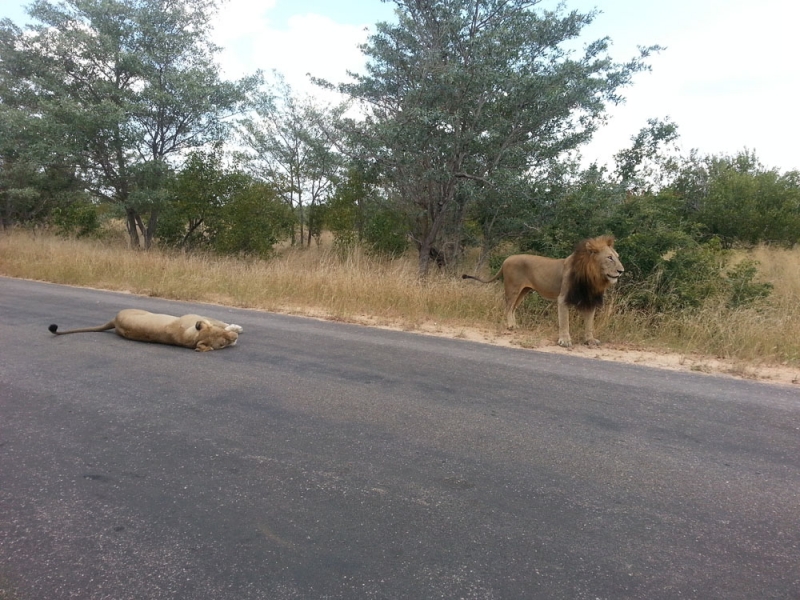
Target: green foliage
{"type": "Point", "coordinates": [34, 180]}
{"type": "Point", "coordinates": [287, 143]}
{"type": "Point", "coordinates": [172, 230]}
{"type": "Point", "coordinates": [385, 231]}
{"type": "Point", "coordinates": [466, 93]}
{"type": "Point", "coordinates": [223, 209]}
{"type": "Point", "coordinates": [670, 265]}
{"type": "Point", "coordinates": [506, 210]}
{"type": "Point", "coordinates": [343, 220]}
{"type": "Point", "coordinates": [642, 165]}
{"type": "Point", "coordinates": [347, 207]}
{"type": "Point", "coordinates": [253, 221]}
{"type": "Point", "coordinates": [743, 289]}
{"type": "Point", "coordinates": [317, 217]}
{"type": "Point", "coordinates": [79, 219]}
{"type": "Point", "coordinates": [748, 204]}
{"type": "Point", "coordinates": [197, 194]}
{"type": "Point", "coordinates": [575, 211]}
{"type": "Point", "coordinates": [112, 90]}
{"type": "Point", "coordinates": [355, 214]}
{"type": "Point", "coordinates": [669, 271]}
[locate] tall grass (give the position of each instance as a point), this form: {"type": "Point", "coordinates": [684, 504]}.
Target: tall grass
{"type": "Point", "coordinates": [319, 282]}
{"type": "Point", "coordinates": [313, 280]}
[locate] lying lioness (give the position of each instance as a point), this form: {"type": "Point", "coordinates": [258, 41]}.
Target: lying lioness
{"type": "Point", "coordinates": [191, 331]}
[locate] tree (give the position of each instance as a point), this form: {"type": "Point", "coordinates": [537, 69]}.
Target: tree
{"type": "Point", "coordinates": [747, 203]}
{"type": "Point", "coordinates": [253, 221]}
{"type": "Point", "coordinates": [198, 193]}
{"type": "Point", "coordinates": [119, 88]}
{"type": "Point", "coordinates": [35, 179]}
{"type": "Point", "coordinates": [474, 93]}
{"type": "Point", "coordinates": [289, 147]}
{"type": "Point", "coordinates": [348, 205]}
{"type": "Point", "coordinates": [646, 164]}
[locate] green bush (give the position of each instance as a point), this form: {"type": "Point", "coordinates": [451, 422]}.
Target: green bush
{"type": "Point", "coordinates": [78, 218]}
{"type": "Point", "coordinates": [385, 232]}
{"type": "Point", "coordinates": [669, 271]}
{"type": "Point", "coordinates": [743, 290]}
{"type": "Point", "coordinates": [253, 222]}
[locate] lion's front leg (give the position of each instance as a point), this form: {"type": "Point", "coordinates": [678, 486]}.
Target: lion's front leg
{"type": "Point", "coordinates": [564, 339]}
{"type": "Point", "coordinates": [588, 318]}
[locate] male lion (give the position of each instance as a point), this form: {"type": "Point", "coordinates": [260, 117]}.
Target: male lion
{"type": "Point", "coordinates": [580, 280]}
{"type": "Point", "coordinates": [191, 331]}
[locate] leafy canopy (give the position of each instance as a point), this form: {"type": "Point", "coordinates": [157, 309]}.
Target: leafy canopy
{"type": "Point", "coordinates": [118, 89]}
{"type": "Point", "coordinates": [479, 91]}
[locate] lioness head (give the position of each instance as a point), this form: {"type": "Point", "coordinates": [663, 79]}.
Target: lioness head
{"type": "Point", "coordinates": [212, 337]}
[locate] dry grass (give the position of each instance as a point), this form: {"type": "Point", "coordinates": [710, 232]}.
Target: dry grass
{"type": "Point", "coordinates": [307, 281]}
{"type": "Point", "coordinates": [316, 281]}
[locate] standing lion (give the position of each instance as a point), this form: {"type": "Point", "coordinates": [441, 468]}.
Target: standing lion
{"type": "Point", "coordinates": [580, 280]}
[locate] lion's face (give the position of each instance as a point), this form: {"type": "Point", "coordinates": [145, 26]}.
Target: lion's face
{"type": "Point", "coordinates": [211, 337]}
{"type": "Point", "coordinates": [609, 263]}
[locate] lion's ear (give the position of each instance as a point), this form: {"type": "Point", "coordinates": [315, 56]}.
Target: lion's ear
{"type": "Point", "coordinates": [198, 325]}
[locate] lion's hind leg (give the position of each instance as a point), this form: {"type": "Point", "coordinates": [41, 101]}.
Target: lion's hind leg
{"type": "Point", "coordinates": [513, 300]}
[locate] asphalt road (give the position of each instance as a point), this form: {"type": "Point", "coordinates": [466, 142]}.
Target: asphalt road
{"type": "Point", "coordinates": [325, 460]}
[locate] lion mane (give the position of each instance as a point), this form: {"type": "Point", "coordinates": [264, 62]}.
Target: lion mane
{"type": "Point", "coordinates": [202, 334]}
{"type": "Point", "coordinates": [587, 283]}
{"type": "Point", "coordinates": [580, 280]}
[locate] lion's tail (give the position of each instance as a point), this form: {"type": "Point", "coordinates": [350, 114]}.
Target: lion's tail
{"type": "Point", "coordinates": [54, 329]}
{"type": "Point", "coordinates": [495, 278]}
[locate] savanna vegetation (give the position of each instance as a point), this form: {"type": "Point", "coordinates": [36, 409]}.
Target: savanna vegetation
{"type": "Point", "coordinates": [456, 146]}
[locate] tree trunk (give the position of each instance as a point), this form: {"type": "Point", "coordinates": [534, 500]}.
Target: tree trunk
{"type": "Point", "coordinates": [150, 230]}
{"type": "Point", "coordinates": [424, 257]}
{"type": "Point", "coordinates": [133, 232]}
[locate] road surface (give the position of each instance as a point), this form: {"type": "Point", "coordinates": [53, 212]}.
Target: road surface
{"type": "Point", "coordinates": [326, 460]}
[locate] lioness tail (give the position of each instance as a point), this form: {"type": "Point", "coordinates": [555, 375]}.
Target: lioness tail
{"type": "Point", "coordinates": [54, 329]}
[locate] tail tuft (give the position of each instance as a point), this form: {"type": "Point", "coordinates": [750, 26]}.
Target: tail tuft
{"type": "Point", "coordinates": [53, 328]}
{"type": "Point", "coordinates": [465, 276]}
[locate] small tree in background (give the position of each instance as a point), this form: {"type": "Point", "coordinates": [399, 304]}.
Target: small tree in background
{"type": "Point", "coordinates": [349, 204]}
{"type": "Point", "coordinates": [254, 220]}
{"type": "Point", "coordinates": [287, 145]}
{"type": "Point", "coordinates": [198, 193]}
{"type": "Point", "coordinates": [747, 203]}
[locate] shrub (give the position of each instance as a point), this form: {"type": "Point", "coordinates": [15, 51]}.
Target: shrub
{"type": "Point", "coordinates": [385, 232]}
{"type": "Point", "coordinates": [743, 290]}
{"type": "Point", "coordinates": [77, 218]}
{"type": "Point", "coordinates": [253, 222]}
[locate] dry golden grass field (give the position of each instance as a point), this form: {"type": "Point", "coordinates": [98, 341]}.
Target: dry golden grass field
{"type": "Point", "coordinates": [759, 342]}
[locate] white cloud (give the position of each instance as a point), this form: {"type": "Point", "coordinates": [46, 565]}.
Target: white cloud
{"type": "Point", "coordinates": [728, 82]}
{"type": "Point", "coordinates": [238, 19]}
{"type": "Point", "coordinates": [310, 44]}
{"type": "Point", "coordinates": [727, 76]}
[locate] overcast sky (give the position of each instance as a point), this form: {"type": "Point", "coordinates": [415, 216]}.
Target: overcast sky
{"type": "Point", "coordinates": [729, 77]}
